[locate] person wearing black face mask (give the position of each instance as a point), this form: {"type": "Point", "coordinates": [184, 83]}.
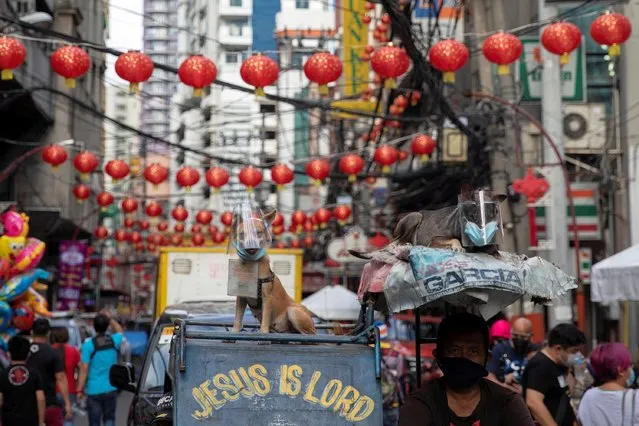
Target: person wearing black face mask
{"type": "Point", "coordinates": [509, 358]}
{"type": "Point", "coordinates": [463, 396]}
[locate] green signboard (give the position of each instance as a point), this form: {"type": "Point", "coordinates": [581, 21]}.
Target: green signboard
{"type": "Point", "coordinates": [572, 74]}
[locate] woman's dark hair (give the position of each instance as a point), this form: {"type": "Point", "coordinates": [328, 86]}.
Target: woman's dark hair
{"type": "Point", "coordinates": [461, 324]}
{"type": "Point", "coordinates": [60, 335]}
{"type": "Point", "coordinates": [566, 336]}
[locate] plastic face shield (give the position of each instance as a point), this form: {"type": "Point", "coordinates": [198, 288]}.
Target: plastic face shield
{"type": "Point", "coordinates": [249, 231]}
{"type": "Point", "coordinates": [480, 220]}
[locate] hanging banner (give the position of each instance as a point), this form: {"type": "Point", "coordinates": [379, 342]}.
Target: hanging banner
{"type": "Point", "coordinates": [73, 256]}
{"type": "Point", "coordinates": [355, 39]}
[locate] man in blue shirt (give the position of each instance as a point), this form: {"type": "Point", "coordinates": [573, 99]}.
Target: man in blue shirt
{"type": "Point", "coordinates": [97, 356]}
{"type": "Point", "coordinates": [509, 358]}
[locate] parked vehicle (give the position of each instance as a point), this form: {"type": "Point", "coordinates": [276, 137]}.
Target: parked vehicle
{"type": "Point", "coordinates": [79, 328]}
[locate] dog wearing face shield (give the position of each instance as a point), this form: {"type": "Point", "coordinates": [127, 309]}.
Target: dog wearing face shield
{"type": "Point", "coordinates": [274, 308]}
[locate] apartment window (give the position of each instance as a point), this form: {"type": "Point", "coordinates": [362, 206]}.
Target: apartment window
{"type": "Point", "coordinates": [236, 3]}
{"type": "Point", "coordinates": [301, 4]}
{"type": "Point", "coordinates": [236, 28]}
{"type": "Point", "coordinates": [232, 58]}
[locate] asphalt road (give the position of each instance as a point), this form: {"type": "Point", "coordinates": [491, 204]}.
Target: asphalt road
{"type": "Point", "coordinates": [124, 399]}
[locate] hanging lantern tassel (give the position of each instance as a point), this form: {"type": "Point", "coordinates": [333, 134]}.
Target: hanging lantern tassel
{"type": "Point", "coordinates": [424, 158]}
{"type": "Point", "coordinates": [84, 176]}
{"type": "Point", "coordinates": [317, 182]}
{"type": "Point", "coordinates": [323, 89]}
{"type": "Point", "coordinates": [386, 170]}
{"type": "Point", "coordinates": [323, 225]}
{"type": "Point", "coordinates": [187, 188]}
{"type": "Point", "coordinates": [198, 93]}
{"type": "Point", "coordinates": [503, 70]}
{"type": "Point", "coordinates": [614, 50]}
{"type": "Point", "coordinates": [69, 83]}
{"type": "Point", "coordinates": [564, 59]}
{"type": "Point", "coordinates": [448, 77]}
{"type": "Point", "coordinates": [280, 187]}
{"type": "Point", "coordinates": [259, 91]}
{"type": "Point", "coordinates": [6, 74]}
{"type": "Point", "coordinates": [134, 88]}
{"type": "Point", "coordinates": [352, 178]}
{"type": "Point", "coordinates": [249, 189]}
{"type": "Point", "coordinates": [389, 83]}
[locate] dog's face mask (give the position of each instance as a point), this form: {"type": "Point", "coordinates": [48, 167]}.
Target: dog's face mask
{"type": "Point", "coordinates": [250, 232]}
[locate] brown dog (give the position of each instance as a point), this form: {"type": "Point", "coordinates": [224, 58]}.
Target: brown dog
{"type": "Point", "coordinates": [274, 308]}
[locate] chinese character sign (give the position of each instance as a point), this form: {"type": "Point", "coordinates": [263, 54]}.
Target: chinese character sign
{"type": "Point", "coordinates": [73, 255]}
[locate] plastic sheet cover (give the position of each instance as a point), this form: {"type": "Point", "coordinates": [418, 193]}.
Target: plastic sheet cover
{"type": "Point", "coordinates": [487, 282]}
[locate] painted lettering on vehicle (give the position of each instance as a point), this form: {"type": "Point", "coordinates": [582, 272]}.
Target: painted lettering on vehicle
{"type": "Point", "coordinates": [441, 282]}
{"type": "Point", "coordinates": [253, 381]}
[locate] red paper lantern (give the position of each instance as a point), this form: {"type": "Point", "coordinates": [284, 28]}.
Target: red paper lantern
{"type": "Point", "coordinates": [296, 244]}
{"type": "Point", "coordinates": [12, 55]}
{"type": "Point", "coordinates": [179, 227]}
{"type": "Point", "coordinates": [227, 219]}
{"type": "Point", "coordinates": [352, 165]}
{"type": "Point", "coordinates": [308, 226]}
{"type": "Point", "coordinates": [423, 146]}
{"type": "Point", "coordinates": [612, 30]}
{"type": "Point", "coordinates": [531, 186]}
{"type": "Point", "coordinates": [54, 155]}
{"type": "Point", "coordinates": [153, 209]}
{"type": "Point", "coordinates": [390, 62]}
{"type": "Point", "coordinates": [70, 62]}
{"type": "Point", "coordinates": [259, 71]}
{"type": "Point", "coordinates": [101, 233]}
{"type": "Point", "coordinates": [85, 162]}
{"type": "Point", "coordinates": [121, 236]}
{"type": "Point", "coordinates": [402, 156]}
{"type": "Point", "coordinates": [400, 101]}
{"type": "Point", "coordinates": [198, 240]}
{"type": "Point", "coordinates": [323, 68]}
{"type": "Point", "coordinates": [323, 215]}
{"type": "Point", "coordinates": [281, 174]}
{"type": "Point", "coordinates": [250, 177]}
{"type": "Point", "coordinates": [135, 237]}
{"type": "Point", "coordinates": [129, 222]}
{"type": "Point", "coordinates": [81, 192]}
{"type": "Point", "coordinates": [366, 19]}
{"type": "Point", "coordinates": [502, 49]}
{"type": "Point", "coordinates": [134, 67]}
{"type": "Point", "coordinates": [213, 229]}
{"type": "Point", "coordinates": [180, 213]}
{"type": "Point", "coordinates": [104, 199]}
{"type": "Point", "coordinates": [298, 218]}
{"type": "Point", "coordinates": [216, 177]}
{"type": "Point", "coordinates": [196, 229]}
{"type": "Point", "coordinates": [415, 97]}
{"type": "Point", "coordinates": [277, 230]}
{"type": "Point", "coordinates": [187, 177]}
{"type": "Point", "coordinates": [386, 156]}
{"type": "Point", "coordinates": [561, 38]}
{"type": "Point", "coordinates": [144, 225]}
{"type": "Point", "coordinates": [342, 213]}
{"type": "Point", "coordinates": [156, 173]}
{"type": "Point", "coordinates": [204, 217]}
{"type": "Point", "coordinates": [318, 170]}
{"type": "Point", "coordinates": [198, 72]}
{"type": "Point", "coordinates": [176, 240]}
{"type": "Point", "coordinates": [163, 226]}
{"type": "Point", "coordinates": [278, 220]}
{"type": "Point", "coordinates": [448, 56]}
{"type": "Point", "coordinates": [117, 169]}
{"type": "Point", "coordinates": [129, 205]}
{"type": "Point", "coordinates": [219, 238]}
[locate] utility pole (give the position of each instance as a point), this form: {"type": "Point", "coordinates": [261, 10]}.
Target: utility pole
{"type": "Point", "coordinates": [556, 216]}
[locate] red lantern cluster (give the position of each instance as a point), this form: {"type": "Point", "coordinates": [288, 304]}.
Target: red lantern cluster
{"type": "Point", "coordinates": [153, 209]}
{"type": "Point", "coordinates": [352, 165]}
{"type": "Point", "coordinates": [198, 72]}
{"type": "Point", "coordinates": [155, 173]}
{"type": "Point", "coordinates": [227, 219]}
{"type": "Point", "coordinates": [197, 240]}
{"type": "Point", "coordinates": [180, 213]}
{"type": "Point", "coordinates": [101, 233]}
{"type": "Point", "coordinates": [323, 215]}
{"type": "Point", "coordinates": [448, 56]}
{"type": "Point", "coordinates": [386, 156]}
{"type": "Point", "coordinates": [250, 177]}
{"type": "Point", "coordinates": [134, 67]}
{"type": "Point", "coordinates": [342, 213]}
{"type": "Point", "coordinates": [423, 146]}
{"type": "Point", "coordinates": [259, 71]}
{"type": "Point", "coordinates": [85, 162]}
{"type": "Point", "coordinates": [129, 205]}
{"type": "Point", "coordinates": [502, 49]}
{"type": "Point", "coordinates": [612, 30]}
{"type": "Point", "coordinates": [561, 38]}
{"type": "Point", "coordinates": [70, 62]}
{"type": "Point", "coordinates": [318, 171]}
{"type": "Point", "coordinates": [117, 169]}
{"type": "Point", "coordinates": [323, 68]}
{"type": "Point", "coordinates": [216, 177]}
{"type": "Point", "coordinates": [12, 55]}
{"type": "Point", "coordinates": [389, 63]}
{"type": "Point", "coordinates": [282, 175]}
{"type": "Point", "coordinates": [186, 177]}
{"type": "Point", "coordinates": [104, 199]}
{"type": "Point", "coordinates": [54, 155]}
{"type": "Point", "coordinates": [81, 192]}
{"type": "Point", "coordinates": [204, 217]}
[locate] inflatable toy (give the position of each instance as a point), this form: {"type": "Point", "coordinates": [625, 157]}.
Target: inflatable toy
{"type": "Point", "coordinates": [11, 246]}
{"type": "Point", "coordinates": [36, 302]}
{"type": "Point", "coordinates": [6, 314]}
{"type": "Point", "coordinates": [18, 285]}
{"type": "Point", "coordinates": [28, 257]}
{"type": "Point", "coordinates": [23, 316]}
{"type": "Point", "coordinates": [14, 224]}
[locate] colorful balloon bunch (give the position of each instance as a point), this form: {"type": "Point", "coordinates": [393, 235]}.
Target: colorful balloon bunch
{"type": "Point", "coordinates": [19, 255]}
